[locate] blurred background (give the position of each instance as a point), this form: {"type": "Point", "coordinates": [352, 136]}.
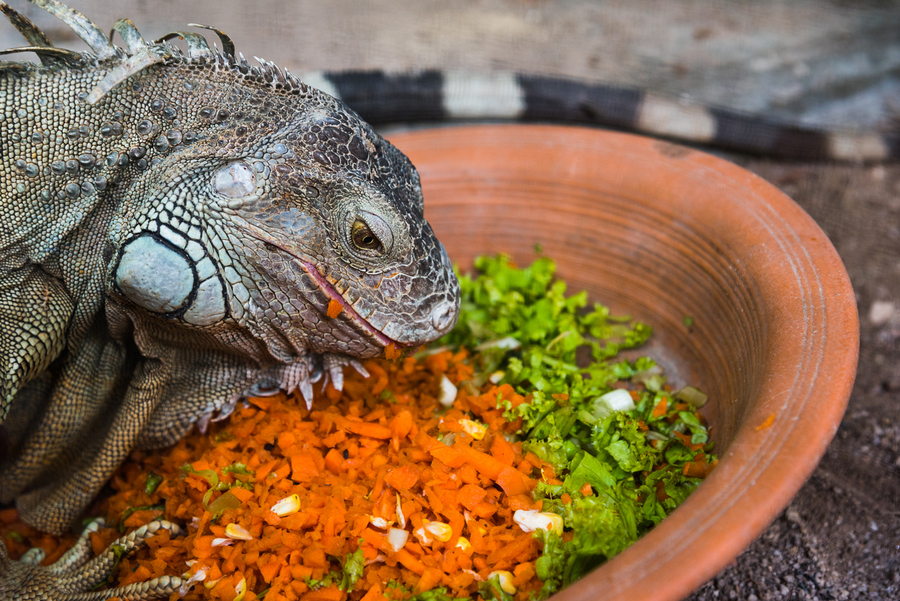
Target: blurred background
{"type": "Point", "coordinates": [828, 63]}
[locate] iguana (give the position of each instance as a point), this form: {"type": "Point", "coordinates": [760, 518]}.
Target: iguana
{"type": "Point", "coordinates": [177, 228]}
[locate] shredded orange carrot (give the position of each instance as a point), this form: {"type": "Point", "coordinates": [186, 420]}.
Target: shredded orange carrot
{"type": "Point", "coordinates": [307, 488]}
{"type": "Point", "coordinates": [661, 407]}
{"type": "Point", "coordinates": [700, 467]}
{"type": "Point", "coordinates": [334, 308]}
{"type": "Point", "coordinates": [686, 440]}
{"type": "Point", "coordinates": [391, 351]}
{"type": "Point", "coordinates": [769, 421]}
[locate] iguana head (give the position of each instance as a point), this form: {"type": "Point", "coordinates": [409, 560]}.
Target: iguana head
{"type": "Point", "coordinates": [335, 215]}
{"type": "Point", "coordinates": [307, 231]}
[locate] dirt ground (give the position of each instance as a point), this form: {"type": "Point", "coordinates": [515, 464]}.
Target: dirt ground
{"type": "Point", "coordinates": [840, 537]}
{"type": "Point", "coordinates": [831, 63]}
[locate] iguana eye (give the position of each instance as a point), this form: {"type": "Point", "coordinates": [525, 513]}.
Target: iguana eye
{"type": "Point", "coordinates": [235, 181]}
{"type": "Point", "coordinates": [363, 237]}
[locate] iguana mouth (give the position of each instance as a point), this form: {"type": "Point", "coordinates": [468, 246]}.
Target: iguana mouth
{"type": "Point", "coordinates": [328, 289]}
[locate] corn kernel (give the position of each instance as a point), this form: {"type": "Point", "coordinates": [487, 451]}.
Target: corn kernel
{"type": "Point", "coordinates": [463, 543]}
{"type": "Point", "coordinates": [401, 519]}
{"type": "Point", "coordinates": [189, 580]}
{"type": "Point", "coordinates": [506, 581]}
{"type": "Point", "coordinates": [473, 429]}
{"type": "Point", "coordinates": [397, 538]}
{"type": "Point", "coordinates": [241, 589]}
{"type": "Point", "coordinates": [378, 522]}
{"type": "Point", "coordinates": [222, 542]}
{"type": "Point", "coordinates": [530, 520]}
{"type": "Point", "coordinates": [238, 532]}
{"type": "Point", "coordinates": [423, 535]}
{"type": "Point", "coordinates": [448, 392]}
{"type": "Point", "coordinates": [439, 530]}
{"type": "Point", "coordinates": [287, 506]}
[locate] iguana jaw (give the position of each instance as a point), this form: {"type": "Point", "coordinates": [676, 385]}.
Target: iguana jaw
{"type": "Point", "coordinates": [327, 288]}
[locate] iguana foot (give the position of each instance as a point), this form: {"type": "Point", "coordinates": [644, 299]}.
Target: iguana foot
{"type": "Point", "coordinates": [73, 577]}
{"type": "Point", "coordinates": [302, 374]}
{"type": "Point", "coordinates": [333, 365]}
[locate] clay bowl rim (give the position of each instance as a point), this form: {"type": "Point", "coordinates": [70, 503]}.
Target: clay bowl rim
{"type": "Point", "coordinates": [689, 548]}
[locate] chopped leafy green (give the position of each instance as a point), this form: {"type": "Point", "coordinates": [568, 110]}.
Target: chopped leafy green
{"type": "Point", "coordinates": [349, 574]}
{"type": "Point", "coordinates": [211, 477]}
{"type": "Point", "coordinates": [587, 469]}
{"type": "Point", "coordinates": [352, 569]}
{"type": "Point", "coordinates": [490, 590]}
{"type": "Point", "coordinates": [153, 482]}
{"type": "Point", "coordinates": [223, 502]}
{"type": "Point", "coordinates": [436, 594]}
{"type": "Point", "coordinates": [237, 468]}
{"type": "Point", "coordinates": [622, 471]}
{"type": "Point", "coordinates": [15, 537]}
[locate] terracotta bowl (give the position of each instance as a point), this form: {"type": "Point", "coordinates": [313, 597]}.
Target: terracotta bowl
{"type": "Point", "coordinates": [663, 233]}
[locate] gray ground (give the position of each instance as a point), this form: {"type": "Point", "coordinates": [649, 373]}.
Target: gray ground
{"type": "Point", "coordinates": [833, 63]}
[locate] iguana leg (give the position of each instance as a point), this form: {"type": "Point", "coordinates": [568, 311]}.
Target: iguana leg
{"type": "Point", "coordinates": [76, 572]}
{"type": "Point", "coordinates": [34, 313]}
{"type": "Point", "coordinates": [52, 507]}
{"type": "Point", "coordinates": [87, 395]}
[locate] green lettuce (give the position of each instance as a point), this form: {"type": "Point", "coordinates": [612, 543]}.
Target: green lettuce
{"type": "Point", "coordinates": [561, 353]}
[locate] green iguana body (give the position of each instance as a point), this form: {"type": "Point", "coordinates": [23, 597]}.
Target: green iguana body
{"type": "Point", "coordinates": [173, 228]}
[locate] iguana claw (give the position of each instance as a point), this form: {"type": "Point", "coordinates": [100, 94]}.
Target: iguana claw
{"type": "Point", "coordinates": [334, 365]}
{"type": "Point", "coordinates": [73, 576]}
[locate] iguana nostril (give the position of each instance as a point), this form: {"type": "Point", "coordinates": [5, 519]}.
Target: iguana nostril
{"type": "Point", "coordinates": [443, 317]}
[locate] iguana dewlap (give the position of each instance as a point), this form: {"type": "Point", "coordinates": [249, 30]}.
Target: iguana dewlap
{"type": "Point", "coordinates": [176, 228]}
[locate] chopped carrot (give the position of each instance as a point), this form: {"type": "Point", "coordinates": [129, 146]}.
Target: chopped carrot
{"type": "Point", "coordinates": [470, 495]}
{"type": "Point", "coordinates": [331, 593]}
{"type": "Point", "coordinates": [766, 424]}
{"type": "Point", "coordinates": [370, 430]}
{"type": "Point", "coordinates": [351, 474]}
{"type": "Point", "coordinates": [334, 308]}
{"type": "Point", "coordinates": [374, 593]}
{"type": "Point", "coordinates": [686, 440]}
{"type": "Point", "coordinates": [661, 407]}
{"type": "Point", "coordinates": [448, 455]}
{"type": "Point", "coordinates": [502, 450]}
{"type": "Point", "coordinates": [430, 579]}
{"type": "Point", "coordinates": [391, 352]}
{"type": "Point", "coordinates": [402, 478]}
{"type": "Point", "coordinates": [243, 495]}
{"type": "Point", "coordinates": [333, 461]}
{"type": "Point", "coordinates": [513, 482]}
{"type": "Point", "coordinates": [269, 570]}
{"type": "Point", "coordinates": [402, 424]}
{"type": "Point", "coordinates": [484, 463]}
{"type": "Point", "coordinates": [410, 562]}
{"type": "Point", "coordinates": [303, 467]}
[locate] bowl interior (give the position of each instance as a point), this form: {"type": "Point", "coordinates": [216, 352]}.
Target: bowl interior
{"type": "Point", "coordinates": [664, 233]}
